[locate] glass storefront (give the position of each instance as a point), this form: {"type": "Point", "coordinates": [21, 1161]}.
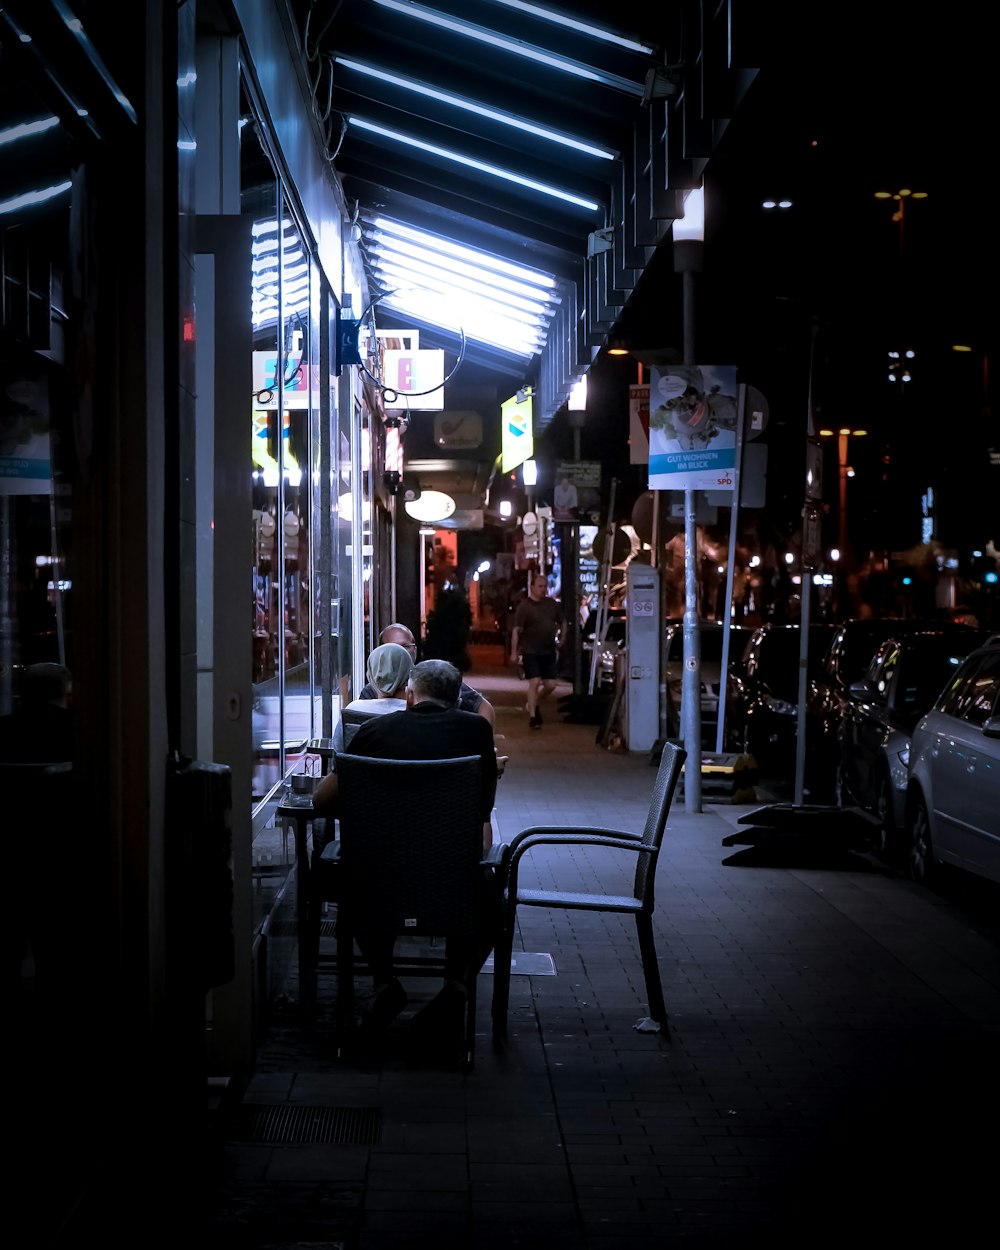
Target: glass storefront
{"type": "Point", "coordinates": [38, 440]}
{"type": "Point", "coordinates": [302, 458]}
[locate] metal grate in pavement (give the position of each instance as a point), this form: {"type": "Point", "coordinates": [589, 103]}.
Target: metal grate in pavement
{"type": "Point", "coordinates": [278, 1123]}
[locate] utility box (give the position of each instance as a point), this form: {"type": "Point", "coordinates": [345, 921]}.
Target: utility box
{"type": "Point", "coordinates": [642, 684]}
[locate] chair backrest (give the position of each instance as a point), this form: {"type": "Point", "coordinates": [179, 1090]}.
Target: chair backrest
{"type": "Point", "coordinates": [38, 806]}
{"type": "Point", "coordinates": [671, 761]}
{"type": "Point", "coordinates": [353, 720]}
{"type": "Point", "coordinates": [354, 715]}
{"type": "Point", "coordinates": [411, 842]}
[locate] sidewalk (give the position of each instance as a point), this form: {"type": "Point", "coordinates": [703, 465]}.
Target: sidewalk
{"type": "Point", "coordinates": [832, 1070]}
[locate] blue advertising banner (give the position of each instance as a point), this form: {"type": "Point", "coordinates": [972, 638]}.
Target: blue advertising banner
{"type": "Point", "coordinates": [692, 427]}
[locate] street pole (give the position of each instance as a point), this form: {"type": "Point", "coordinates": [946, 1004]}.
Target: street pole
{"type": "Point", "coordinates": [687, 259]}
{"type": "Point", "coordinates": [842, 522]}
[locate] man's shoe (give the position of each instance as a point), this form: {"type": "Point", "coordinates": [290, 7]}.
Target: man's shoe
{"type": "Point", "coordinates": [438, 1030]}
{"type": "Point", "coordinates": [386, 1005]}
{"type": "Point", "coordinates": [535, 722]}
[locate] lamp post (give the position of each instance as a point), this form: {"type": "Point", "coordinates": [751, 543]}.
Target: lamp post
{"type": "Point", "coordinates": [689, 243]}
{"type": "Point", "coordinates": [844, 471]}
{"type": "Point", "coordinates": [900, 198]}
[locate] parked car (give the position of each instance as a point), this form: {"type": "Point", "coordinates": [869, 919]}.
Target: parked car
{"type": "Point", "coordinates": [953, 792]}
{"type": "Point", "coordinates": [710, 641]}
{"type": "Point", "coordinates": [762, 696]}
{"type": "Point", "coordinates": [848, 656]}
{"type": "Point", "coordinates": [613, 644]}
{"type": "Point", "coordinates": [905, 676]}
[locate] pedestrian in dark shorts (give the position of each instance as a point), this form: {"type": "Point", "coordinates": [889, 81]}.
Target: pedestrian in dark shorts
{"type": "Point", "coordinates": [536, 638]}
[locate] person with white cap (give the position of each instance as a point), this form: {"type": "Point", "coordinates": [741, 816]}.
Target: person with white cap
{"type": "Point", "coordinates": [388, 670]}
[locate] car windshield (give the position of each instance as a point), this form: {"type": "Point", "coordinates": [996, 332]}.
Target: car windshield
{"type": "Point", "coordinates": [779, 657]}
{"type": "Point", "coordinates": [710, 643]}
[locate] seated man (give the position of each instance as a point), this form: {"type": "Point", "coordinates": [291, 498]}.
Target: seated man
{"type": "Point", "coordinates": [431, 728]}
{"type": "Point", "coordinates": [469, 699]}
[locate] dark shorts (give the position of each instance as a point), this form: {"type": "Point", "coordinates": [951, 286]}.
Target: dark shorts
{"type": "Point", "coordinates": [545, 665]}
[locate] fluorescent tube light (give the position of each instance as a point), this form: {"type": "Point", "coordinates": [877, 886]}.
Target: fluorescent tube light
{"type": "Point", "coordinates": [473, 106]}
{"type": "Point", "coordinates": [517, 47]}
{"type": "Point", "coordinates": [497, 171]}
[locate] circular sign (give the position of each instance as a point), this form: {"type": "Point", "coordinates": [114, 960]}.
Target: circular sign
{"type": "Point", "coordinates": [757, 412]}
{"type": "Point", "coordinates": [430, 506]}
{"type": "Point", "coordinates": [529, 523]}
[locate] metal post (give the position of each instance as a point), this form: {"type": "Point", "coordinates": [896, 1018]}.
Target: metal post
{"type": "Point", "coordinates": [691, 678]}
{"type": "Point", "coordinates": [730, 571]}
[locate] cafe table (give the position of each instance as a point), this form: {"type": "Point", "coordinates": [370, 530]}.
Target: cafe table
{"type": "Point", "coordinates": [297, 808]}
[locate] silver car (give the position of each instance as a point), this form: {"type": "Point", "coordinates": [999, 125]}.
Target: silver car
{"type": "Point", "coordinates": [953, 794]}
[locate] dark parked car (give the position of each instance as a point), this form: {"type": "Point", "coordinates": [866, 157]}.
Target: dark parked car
{"type": "Point", "coordinates": [711, 636]}
{"type": "Point", "coordinates": [762, 695]}
{"type": "Point", "coordinates": [849, 654]}
{"type": "Point", "coordinates": [614, 644]}
{"type": "Point", "coordinates": [905, 676]}
{"type": "Point", "coordinates": [953, 797]}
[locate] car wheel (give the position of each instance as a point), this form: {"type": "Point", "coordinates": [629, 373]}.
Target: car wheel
{"type": "Point", "coordinates": [920, 853]}
{"type": "Point", "coordinates": [887, 835]}
{"type": "Point", "coordinates": [841, 798]}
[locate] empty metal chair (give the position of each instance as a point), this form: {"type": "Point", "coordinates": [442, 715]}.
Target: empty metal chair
{"type": "Point", "coordinates": [645, 847]}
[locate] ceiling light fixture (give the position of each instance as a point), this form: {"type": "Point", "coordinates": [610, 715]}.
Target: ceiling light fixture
{"type": "Point", "coordinates": [432, 505]}
{"type": "Point", "coordinates": [571, 23]}
{"type": "Point", "coordinates": [494, 38]}
{"type": "Point", "coordinates": [662, 82]}
{"type": "Point", "coordinates": [474, 106]}
{"type": "Point", "coordinates": [497, 171]}
{"type": "Point", "coordinates": [618, 347]}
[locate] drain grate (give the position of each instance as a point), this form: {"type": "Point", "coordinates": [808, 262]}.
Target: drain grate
{"type": "Point", "coordinates": [349, 1126]}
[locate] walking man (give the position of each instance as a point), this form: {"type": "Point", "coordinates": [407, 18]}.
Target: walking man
{"type": "Point", "coordinates": [536, 637]}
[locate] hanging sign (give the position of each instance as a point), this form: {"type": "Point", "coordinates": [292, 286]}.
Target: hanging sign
{"type": "Point", "coordinates": [638, 423]}
{"type": "Point", "coordinates": [517, 442]}
{"type": "Point", "coordinates": [414, 379]}
{"type": "Point", "coordinates": [692, 427]}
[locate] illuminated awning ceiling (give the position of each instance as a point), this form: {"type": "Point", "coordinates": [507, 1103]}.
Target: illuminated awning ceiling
{"type": "Point", "coordinates": [508, 164]}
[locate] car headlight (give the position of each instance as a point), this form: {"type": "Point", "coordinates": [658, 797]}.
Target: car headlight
{"type": "Point", "coordinates": [780, 707]}
{"type": "Point", "coordinates": [904, 756]}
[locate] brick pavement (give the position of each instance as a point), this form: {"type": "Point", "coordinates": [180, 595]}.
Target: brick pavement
{"type": "Point", "coordinates": [832, 1070]}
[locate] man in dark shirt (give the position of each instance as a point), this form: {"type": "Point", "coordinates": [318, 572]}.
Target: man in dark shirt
{"type": "Point", "coordinates": [432, 727]}
{"type": "Point", "coordinates": [536, 637]}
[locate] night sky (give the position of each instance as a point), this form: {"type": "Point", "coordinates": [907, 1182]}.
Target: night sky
{"type": "Point", "coordinates": [835, 283]}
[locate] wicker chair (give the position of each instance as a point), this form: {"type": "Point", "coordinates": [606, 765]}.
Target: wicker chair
{"type": "Point", "coordinates": [645, 847]}
{"type": "Point", "coordinates": [410, 859]}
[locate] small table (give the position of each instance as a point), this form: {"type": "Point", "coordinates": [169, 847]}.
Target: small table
{"type": "Point", "coordinates": [299, 809]}
{"type": "Point", "coordinates": [323, 747]}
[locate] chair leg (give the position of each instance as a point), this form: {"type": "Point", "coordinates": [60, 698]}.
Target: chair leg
{"type": "Point", "coordinates": [651, 972]}
{"type": "Point", "coordinates": [309, 966]}
{"type": "Point", "coordinates": [345, 982]}
{"type": "Point", "coordinates": [502, 950]}
{"type": "Point", "coordinates": [469, 1057]}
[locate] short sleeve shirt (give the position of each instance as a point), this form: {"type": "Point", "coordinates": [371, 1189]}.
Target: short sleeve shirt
{"type": "Point", "coordinates": [539, 620]}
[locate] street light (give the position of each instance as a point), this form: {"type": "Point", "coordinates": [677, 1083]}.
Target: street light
{"type": "Point", "coordinates": [689, 243]}
{"type": "Point", "coordinates": [899, 198]}
{"type": "Point", "coordinates": [844, 471]}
